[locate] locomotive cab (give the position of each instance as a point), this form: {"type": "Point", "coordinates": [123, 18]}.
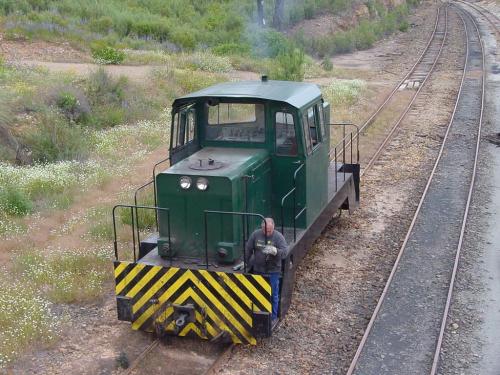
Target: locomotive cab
{"type": "Point", "coordinates": [239, 152]}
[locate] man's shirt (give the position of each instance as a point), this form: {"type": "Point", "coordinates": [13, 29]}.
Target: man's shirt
{"type": "Point", "coordinates": [265, 263]}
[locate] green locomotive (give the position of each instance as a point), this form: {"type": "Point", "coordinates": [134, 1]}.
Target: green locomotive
{"type": "Point", "coordinates": [239, 152]}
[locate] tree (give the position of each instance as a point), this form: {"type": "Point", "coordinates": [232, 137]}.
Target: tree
{"type": "Point", "coordinates": [260, 13]}
{"type": "Point", "coordinates": [279, 14]}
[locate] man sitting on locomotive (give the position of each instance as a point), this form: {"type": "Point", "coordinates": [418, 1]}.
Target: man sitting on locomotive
{"type": "Point", "coordinates": [265, 258]}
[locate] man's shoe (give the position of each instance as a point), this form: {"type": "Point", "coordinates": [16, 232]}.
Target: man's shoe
{"type": "Point", "coordinates": [274, 323]}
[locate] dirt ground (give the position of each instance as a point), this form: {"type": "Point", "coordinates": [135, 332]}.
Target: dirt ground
{"type": "Point", "coordinates": [339, 281]}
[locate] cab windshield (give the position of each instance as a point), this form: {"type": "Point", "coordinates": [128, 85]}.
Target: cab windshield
{"type": "Point", "coordinates": [237, 122]}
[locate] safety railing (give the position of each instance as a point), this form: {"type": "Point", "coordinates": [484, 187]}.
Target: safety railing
{"type": "Point", "coordinates": [244, 216]}
{"type": "Point", "coordinates": [347, 142]}
{"type": "Point", "coordinates": [295, 216]}
{"type": "Point", "coordinates": [136, 225]}
{"type": "Point", "coordinates": [152, 182]}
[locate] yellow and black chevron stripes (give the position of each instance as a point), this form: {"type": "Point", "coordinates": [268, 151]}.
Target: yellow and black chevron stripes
{"type": "Point", "coordinates": [223, 301]}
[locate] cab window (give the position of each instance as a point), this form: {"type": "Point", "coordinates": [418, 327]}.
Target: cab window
{"type": "Point", "coordinates": [183, 126]}
{"type": "Point", "coordinates": [310, 124]}
{"type": "Point", "coordinates": [286, 141]}
{"type": "Point", "coordinates": [313, 128]}
{"type": "Point", "coordinates": [321, 117]}
{"type": "Point", "coordinates": [307, 136]}
{"type": "Point", "coordinates": [243, 122]}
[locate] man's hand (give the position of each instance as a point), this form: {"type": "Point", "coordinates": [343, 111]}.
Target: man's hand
{"type": "Point", "coordinates": [239, 266]}
{"type": "Point", "coordinates": [270, 250]}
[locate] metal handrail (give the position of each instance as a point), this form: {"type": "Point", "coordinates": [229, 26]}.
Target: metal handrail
{"type": "Point", "coordinates": [243, 216]}
{"type": "Point", "coordinates": [349, 142]}
{"type": "Point", "coordinates": [135, 199]}
{"type": "Point", "coordinates": [154, 186]}
{"type": "Point", "coordinates": [294, 191]}
{"type": "Point", "coordinates": [140, 188]}
{"type": "Point", "coordinates": [135, 225]}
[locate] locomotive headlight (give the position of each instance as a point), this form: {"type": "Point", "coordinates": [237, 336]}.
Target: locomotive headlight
{"type": "Point", "coordinates": [202, 184]}
{"type": "Point", "coordinates": [185, 182]}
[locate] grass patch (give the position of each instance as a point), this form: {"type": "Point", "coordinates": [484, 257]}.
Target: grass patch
{"type": "Point", "coordinates": [25, 318]}
{"type": "Point", "coordinates": [116, 142]}
{"type": "Point", "coordinates": [344, 92]}
{"type": "Point", "coordinates": [188, 81]}
{"type": "Point", "coordinates": [49, 181]}
{"type": "Point", "coordinates": [101, 223]}
{"type": "Point", "coordinates": [66, 276]}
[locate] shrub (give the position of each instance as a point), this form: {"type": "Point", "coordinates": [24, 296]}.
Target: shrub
{"type": "Point", "coordinates": [232, 49]}
{"type": "Point", "coordinates": [403, 26]}
{"type": "Point", "coordinates": [101, 25]}
{"type": "Point", "coordinates": [101, 88]}
{"type": "Point", "coordinates": [327, 64]}
{"type": "Point", "coordinates": [55, 139]}
{"type": "Point", "coordinates": [72, 103]}
{"type": "Point", "coordinates": [14, 201]}
{"type": "Point", "coordinates": [185, 38]}
{"type": "Point", "coordinates": [194, 81]}
{"type": "Point", "coordinates": [290, 66]}
{"type": "Point", "coordinates": [105, 55]}
{"type": "Point", "coordinates": [268, 43]}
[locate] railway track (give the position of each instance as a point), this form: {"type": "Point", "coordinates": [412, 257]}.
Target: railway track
{"type": "Point", "coordinates": [398, 101]}
{"type": "Point", "coordinates": [154, 351]}
{"type": "Point", "coordinates": [401, 98]}
{"type": "Point", "coordinates": [404, 334]}
{"type": "Point", "coordinates": [490, 17]}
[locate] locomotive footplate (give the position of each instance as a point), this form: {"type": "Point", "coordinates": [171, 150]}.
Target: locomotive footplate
{"type": "Point", "coordinates": [187, 302]}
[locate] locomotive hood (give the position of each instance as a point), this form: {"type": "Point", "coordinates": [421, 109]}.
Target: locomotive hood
{"type": "Point", "coordinates": [212, 179]}
{"type": "Point", "coordinates": [218, 162]}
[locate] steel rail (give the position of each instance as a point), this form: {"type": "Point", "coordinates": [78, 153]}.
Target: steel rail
{"type": "Point", "coordinates": [141, 356]}
{"type": "Point", "coordinates": [391, 95]}
{"type": "Point", "coordinates": [413, 68]}
{"type": "Point", "coordinates": [408, 107]}
{"type": "Point", "coordinates": [412, 224]}
{"type": "Point", "coordinates": [435, 361]}
{"type": "Point", "coordinates": [485, 13]}
{"type": "Point", "coordinates": [398, 85]}
{"type": "Point", "coordinates": [213, 369]}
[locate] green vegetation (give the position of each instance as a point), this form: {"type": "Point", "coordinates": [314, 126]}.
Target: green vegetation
{"type": "Point", "coordinates": [65, 276]}
{"type": "Point", "coordinates": [343, 92]}
{"type": "Point", "coordinates": [174, 24]}
{"type": "Point", "coordinates": [25, 317]}
{"type": "Point", "coordinates": [361, 37]}
{"type": "Point", "coordinates": [101, 223]}
{"type": "Point", "coordinates": [104, 54]}
{"type": "Point", "coordinates": [290, 65]}
{"type": "Point", "coordinates": [227, 27]}
{"type": "Point", "coordinates": [44, 278]}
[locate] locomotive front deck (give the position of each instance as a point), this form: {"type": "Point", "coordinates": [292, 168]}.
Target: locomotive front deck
{"type": "Point", "coordinates": [212, 300]}
{"type": "Point", "coordinates": [341, 188]}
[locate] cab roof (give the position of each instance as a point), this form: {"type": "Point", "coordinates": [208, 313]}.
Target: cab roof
{"type": "Point", "coordinates": [297, 94]}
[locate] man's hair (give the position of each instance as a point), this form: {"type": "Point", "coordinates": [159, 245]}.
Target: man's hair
{"type": "Point", "coordinates": [270, 219]}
